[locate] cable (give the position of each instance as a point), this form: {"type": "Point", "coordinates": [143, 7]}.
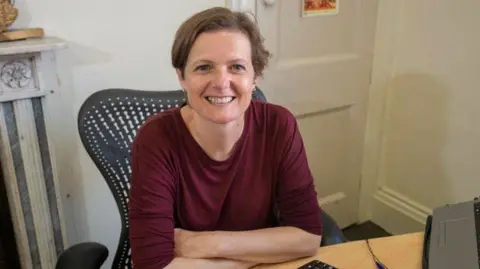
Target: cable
{"type": "Point", "coordinates": [379, 264]}
{"type": "Point", "coordinates": [426, 242]}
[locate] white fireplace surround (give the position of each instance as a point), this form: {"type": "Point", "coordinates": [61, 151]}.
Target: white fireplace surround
{"type": "Point", "coordinates": [27, 76]}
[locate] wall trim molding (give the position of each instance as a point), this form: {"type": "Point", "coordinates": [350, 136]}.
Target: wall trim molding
{"type": "Point", "coordinates": [398, 214]}
{"type": "Point", "coordinates": [383, 70]}
{"type": "Point", "coordinates": [336, 204]}
{"type": "Point", "coordinates": [331, 199]}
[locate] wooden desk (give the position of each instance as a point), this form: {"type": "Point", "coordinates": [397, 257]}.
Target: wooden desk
{"type": "Point", "coordinates": [400, 251]}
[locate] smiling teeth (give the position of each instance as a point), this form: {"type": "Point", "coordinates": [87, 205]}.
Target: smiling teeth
{"type": "Point", "coordinates": [220, 100]}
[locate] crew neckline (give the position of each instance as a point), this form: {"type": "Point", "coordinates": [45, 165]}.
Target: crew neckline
{"type": "Point", "coordinates": [237, 147]}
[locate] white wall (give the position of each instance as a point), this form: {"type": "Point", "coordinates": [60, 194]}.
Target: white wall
{"type": "Point", "coordinates": [423, 146]}
{"type": "Point", "coordinates": [111, 44]}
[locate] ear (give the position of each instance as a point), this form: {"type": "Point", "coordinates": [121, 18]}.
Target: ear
{"type": "Point", "coordinates": [180, 78]}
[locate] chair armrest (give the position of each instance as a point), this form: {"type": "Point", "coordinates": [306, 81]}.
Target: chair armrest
{"type": "Point", "coordinates": [88, 255]}
{"type": "Point", "coordinates": [332, 234]}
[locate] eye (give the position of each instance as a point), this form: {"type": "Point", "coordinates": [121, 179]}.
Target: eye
{"type": "Point", "coordinates": [202, 68]}
{"type": "Point", "coordinates": [238, 67]}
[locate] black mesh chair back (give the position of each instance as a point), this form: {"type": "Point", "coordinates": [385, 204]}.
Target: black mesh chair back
{"type": "Point", "coordinates": [107, 123]}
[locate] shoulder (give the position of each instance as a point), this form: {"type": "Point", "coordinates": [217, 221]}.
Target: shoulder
{"type": "Point", "coordinates": [158, 129]}
{"type": "Point", "coordinates": [273, 117]}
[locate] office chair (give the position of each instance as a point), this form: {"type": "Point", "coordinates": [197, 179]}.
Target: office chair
{"type": "Point", "coordinates": [107, 124]}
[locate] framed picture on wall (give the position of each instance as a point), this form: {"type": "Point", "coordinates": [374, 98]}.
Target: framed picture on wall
{"type": "Point", "coordinates": [319, 7]}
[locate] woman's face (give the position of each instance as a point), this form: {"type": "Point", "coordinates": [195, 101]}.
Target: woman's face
{"type": "Point", "coordinates": [219, 76]}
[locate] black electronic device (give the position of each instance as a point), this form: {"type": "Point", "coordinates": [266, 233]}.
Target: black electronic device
{"type": "Point", "coordinates": [316, 264]}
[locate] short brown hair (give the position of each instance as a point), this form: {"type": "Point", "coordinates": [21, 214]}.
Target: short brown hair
{"type": "Point", "coordinates": [214, 19]}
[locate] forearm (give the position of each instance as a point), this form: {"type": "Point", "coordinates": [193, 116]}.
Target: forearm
{"type": "Point", "coordinates": [181, 263]}
{"type": "Point", "coordinates": [270, 245]}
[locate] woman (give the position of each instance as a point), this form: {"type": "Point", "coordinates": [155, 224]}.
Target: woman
{"type": "Point", "coordinates": [222, 182]}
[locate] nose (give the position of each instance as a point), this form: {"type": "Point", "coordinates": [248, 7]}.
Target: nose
{"type": "Point", "coordinates": [221, 79]}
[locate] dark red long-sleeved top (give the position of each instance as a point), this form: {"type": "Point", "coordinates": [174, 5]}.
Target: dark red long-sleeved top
{"type": "Point", "coordinates": [176, 184]}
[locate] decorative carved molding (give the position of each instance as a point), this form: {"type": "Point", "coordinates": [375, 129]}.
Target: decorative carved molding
{"type": "Point", "coordinates": [19, 77]}
{"type": "Point", "coordinates": [17, 74]}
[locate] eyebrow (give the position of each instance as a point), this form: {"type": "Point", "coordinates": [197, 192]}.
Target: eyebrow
{"type": "Point", "coordinates": [237, 60]}
{"type": "Point", "coordinates": [203, 61]}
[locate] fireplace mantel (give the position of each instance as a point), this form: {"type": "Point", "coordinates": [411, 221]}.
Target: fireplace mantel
{"type": "Point", "coordinates": [31, 45]}
{"type": "Point", "coordinates": [28, 73]}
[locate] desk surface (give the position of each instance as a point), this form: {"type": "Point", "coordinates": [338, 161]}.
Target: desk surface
{"type": "Point", "coordinates": [400, 251]}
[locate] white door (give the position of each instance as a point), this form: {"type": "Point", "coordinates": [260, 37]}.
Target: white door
{"type": "Point", "coordinates": [321, 72]}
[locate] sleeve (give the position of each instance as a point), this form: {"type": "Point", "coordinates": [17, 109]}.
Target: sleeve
{"type": "Point", "coordinates": [296, 195]}
{"type": "Point", "coordinates": [151, 203]}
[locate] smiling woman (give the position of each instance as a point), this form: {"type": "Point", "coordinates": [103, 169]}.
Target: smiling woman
{"type": "Point", "coordinates": [219, 82]}
{"type": "Point", "coordinates": [193, 167]}
{"type": "Point", "coordinates": [228, 49]}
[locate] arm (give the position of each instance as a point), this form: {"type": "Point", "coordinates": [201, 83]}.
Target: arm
{"type": "Point", "coordinates": [271, 245]}
{"type": "Point", "coordinates": [181, 263]}
{"type": "Point", "coordinates": [300, 234]}
{"type": "Point", "coordinates": [151, 204]}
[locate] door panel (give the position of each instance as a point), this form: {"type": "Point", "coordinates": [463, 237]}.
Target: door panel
{"type": "Point", "coordinates": [320, 70]}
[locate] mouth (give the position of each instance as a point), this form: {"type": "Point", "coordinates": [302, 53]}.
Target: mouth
{"type": "Point", "coordinates": [219, 100]}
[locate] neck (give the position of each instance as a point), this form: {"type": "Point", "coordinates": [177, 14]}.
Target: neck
{"type": "Point", "coordinates": [217, 140]}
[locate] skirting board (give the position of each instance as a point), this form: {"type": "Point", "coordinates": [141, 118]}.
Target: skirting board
{"type": "Point", "coordinates": [337, 206]}
{"type": "Point", "coordinates": [398, 214]}
{"type": "Point", "coordinates": [331, 199]}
